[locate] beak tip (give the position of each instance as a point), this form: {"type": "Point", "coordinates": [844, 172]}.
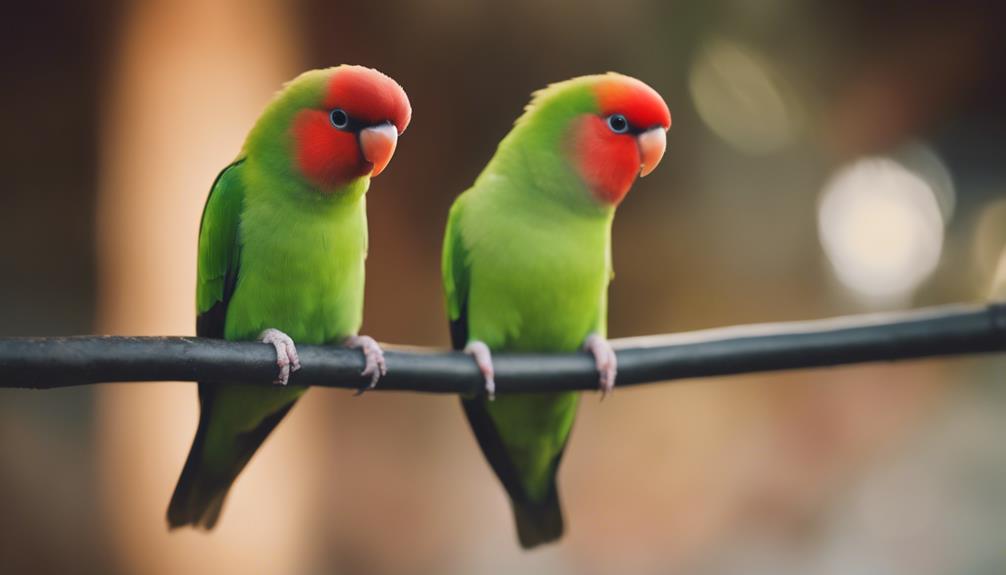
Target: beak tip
{"type": "Point", "coordinates": [378, 145]}
{"type": "Point", "coordinates": [652, 145]}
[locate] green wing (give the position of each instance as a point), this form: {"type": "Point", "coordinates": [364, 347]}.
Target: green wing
{"type": "Point", "coordinates": [199, 494]}
{"type": "Point", "coordinates": [219, 251]}
{"type": "Point", "coordinates": [454, 266]}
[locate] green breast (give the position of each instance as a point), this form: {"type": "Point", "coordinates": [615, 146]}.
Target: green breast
{"type": "Point", "coordinates": [537, 277]}
{"type": "Point", "coordinates": [301, 271]}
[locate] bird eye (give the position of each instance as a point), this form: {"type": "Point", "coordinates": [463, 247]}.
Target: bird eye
{"type": "Point", "coordinates": [339, 118]}
{"type": "Point", "coordinates": [618, 124]}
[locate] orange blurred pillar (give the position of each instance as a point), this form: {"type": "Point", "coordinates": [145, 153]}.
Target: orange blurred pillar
{"type": "Point", "coordinates": [189, 79]}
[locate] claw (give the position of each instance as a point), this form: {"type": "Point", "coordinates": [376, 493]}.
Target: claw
{"type": "Point", "coordinates": [483, 358]}
{"type": "Point", "coordinates": [287, 359]}
{"type": "Point", "coordinates": [375, 367]}
{"type": "Point", "coordinates": [605, 360]}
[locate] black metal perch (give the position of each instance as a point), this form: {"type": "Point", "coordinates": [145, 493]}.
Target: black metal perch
{"type": "Point", "coordinates": [42, 363]}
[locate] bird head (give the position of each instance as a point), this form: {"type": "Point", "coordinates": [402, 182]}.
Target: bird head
{"type": "Point", "coordinates": [610, 129]}
{"type": "Point", "coordinates": [332, 127]}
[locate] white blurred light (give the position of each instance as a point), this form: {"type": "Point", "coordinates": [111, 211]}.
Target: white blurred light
{"type": "Point", "coordinates": [881, 227]}
{"type": "Point", "coordinates": [741, 99]}
{"type": "Point", "coordinates": [926, 163]}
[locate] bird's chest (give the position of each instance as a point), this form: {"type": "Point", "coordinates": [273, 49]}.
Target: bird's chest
{"type": "Point", "coordinates": [304, 278]}
{"type": "Point", "coordinates": [541, 298]}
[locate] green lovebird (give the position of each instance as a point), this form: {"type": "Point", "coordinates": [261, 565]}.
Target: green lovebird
{"type": "Point", "coordinates": [526, 266]}
{"type": "Point", "coordinates": [282, 246]}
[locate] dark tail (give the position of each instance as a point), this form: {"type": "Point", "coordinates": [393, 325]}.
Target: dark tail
{"type": "Point", "coordinates": [198, 496]}
{"type": "Point", "coordinates": [201, 490]}
{"type": "Point", "coordinates": [538, 523]}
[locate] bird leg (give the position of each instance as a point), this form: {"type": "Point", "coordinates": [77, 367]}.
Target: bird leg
{"type": "Point", "coordinates": [287, 359]}
{"type": "Point", "coordinates": [484, 359]}
{"type": "Point", "coordinates": [604, 359]}
{"type": "Point", "coordinates": [373, 354]}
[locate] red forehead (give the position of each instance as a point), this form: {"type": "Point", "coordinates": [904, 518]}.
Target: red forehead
{"type": "Point", "coordinates": [369, 95]}
{"type": "Point", "coordinates": [639, 103]}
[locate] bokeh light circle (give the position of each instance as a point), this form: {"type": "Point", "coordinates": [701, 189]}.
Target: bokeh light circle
{"type": "Point", "coordinates": [881, 227]}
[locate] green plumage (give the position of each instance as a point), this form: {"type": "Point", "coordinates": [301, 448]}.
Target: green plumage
{"type": "Point", "coordinates": [526, 265]}
{"type": "Point", "coordinates": [273, 253]}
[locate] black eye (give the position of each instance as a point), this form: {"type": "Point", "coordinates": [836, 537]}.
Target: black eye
{"type": "Point", "coordinates": [618, 124]}
{"type": "Point", "coordinates": [338, 118]}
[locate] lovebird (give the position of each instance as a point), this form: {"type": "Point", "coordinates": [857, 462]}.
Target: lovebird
{"type": "Point", "coordinates": [526, 265]}
{"type": "Point", "coordinates": [282, 245]}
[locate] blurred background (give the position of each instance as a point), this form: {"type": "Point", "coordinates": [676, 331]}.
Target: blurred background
{"type": "Point", "coordinates": [827, 157]}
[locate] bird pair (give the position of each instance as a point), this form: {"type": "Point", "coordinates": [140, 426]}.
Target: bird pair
{"type": "Point", "coordinates": [526, 263]}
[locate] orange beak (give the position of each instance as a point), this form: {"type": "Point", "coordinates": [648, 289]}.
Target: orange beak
{"type": "Point", "coordinates": [378, 145]}
{"type": "Point", "coordinates": [652, 144]}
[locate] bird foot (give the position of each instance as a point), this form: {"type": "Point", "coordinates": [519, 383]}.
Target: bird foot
{"type": "Point", "coordinates": [484, 359]}
{"type": "Point", "coordinates": [287, 359]}
{"type": "Point", "coordinates": [375, 366]}
{"type": "Point", "coordinates": [605, 360]}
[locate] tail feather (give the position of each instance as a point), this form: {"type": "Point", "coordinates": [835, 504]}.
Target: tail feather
{"type": "Point", "coordinates": [198, 496]}
{"type": "Point", "coordinates": [201, 490]}
{"type": "Point", "coordinates": [211, 513]}
{"type": "Point", "coordinates": [538, 523]}
{"type": "Point", "coordinates": [198, 508]}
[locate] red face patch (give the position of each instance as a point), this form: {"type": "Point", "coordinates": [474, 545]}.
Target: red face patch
{"type": "Point", "coordinates": [326, 156]}
{"type": "Point", "coordinates": [607, 162]}
{"type": "Point", "coordinates": [369, 96]}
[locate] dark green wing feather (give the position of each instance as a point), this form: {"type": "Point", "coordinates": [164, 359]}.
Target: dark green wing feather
{"type": "Point", "coordinates": [195, 502]}
{"type": "Point", "coordinates": [454, 266]}
{"type": "Point", "coordinates": [219, 251]}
